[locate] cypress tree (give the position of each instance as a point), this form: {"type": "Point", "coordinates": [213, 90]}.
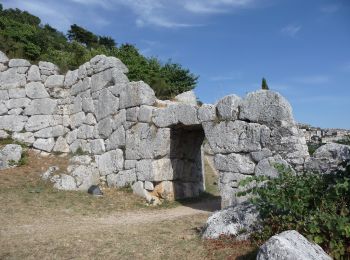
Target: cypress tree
{"type": "Point", "coordinates": [264, 84]}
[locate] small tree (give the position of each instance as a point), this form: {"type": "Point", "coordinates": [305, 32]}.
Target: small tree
{"type": "Point", "coordinates": [264, 84]}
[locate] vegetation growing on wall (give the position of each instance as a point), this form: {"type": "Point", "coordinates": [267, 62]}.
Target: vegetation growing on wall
{"type": "Point", "coordinates": [316, 205]}
{"type": "Point", "coordinates": [23, 36]}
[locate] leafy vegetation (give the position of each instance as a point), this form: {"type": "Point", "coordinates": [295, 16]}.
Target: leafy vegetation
{"type": "Point", "coordinates": [23, 35]}
{"type": "Point", "coordinates": [312, 147]}
{"type": "Point", "coordinates": [316, 205]}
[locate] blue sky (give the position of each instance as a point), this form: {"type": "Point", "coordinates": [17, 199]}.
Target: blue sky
{"type": "Point", "coordinates": [301, 47]}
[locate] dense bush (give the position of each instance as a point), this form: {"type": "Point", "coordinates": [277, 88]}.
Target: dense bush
{"type": "Point", "coordinates": [316, 205]}
{"type": "Point", "coordinates": [23, 36]}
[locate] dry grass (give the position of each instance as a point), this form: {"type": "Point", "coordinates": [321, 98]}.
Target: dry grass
{"type": "Point", "coordinates": [40, 222]}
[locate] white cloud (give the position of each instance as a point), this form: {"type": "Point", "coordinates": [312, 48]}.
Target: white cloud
{"type": "Point", "coordinates": [291, 30]}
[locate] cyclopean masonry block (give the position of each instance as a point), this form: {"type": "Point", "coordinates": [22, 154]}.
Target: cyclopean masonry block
{"type": "Point", "coordinates": [136, 140]}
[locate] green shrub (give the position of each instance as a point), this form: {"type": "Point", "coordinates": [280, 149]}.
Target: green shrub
{"type": "Point", "coordinates": [312, 147]}
{"type": "Point", "coordinates": [315, 205]}
{"type": "Point", "coordinates": [345, 140]}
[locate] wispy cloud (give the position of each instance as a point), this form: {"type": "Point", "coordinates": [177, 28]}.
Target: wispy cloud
{"type": "Point", "coordinates": [168, 13]}
{"type": "Point", "coordinates": [291, 30]}
{"type": "Point", "coordinates": [329, 9]}
{"type": "Point", "coordinates": [312, 80]}
{"type": "Point", "coordinates": [216, 6]}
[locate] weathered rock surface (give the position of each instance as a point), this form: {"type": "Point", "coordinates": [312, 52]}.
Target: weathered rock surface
{"type": "Point", "coordinates": [238, 221]}
{"type": "Point", "coordinates": [290, 245]}
{"type": "Point", "coordinates": [10, 155]}
{"type": "Point", "coordinates": [188, 97]}
{"type": "Point", "coordinates": [329, 158]}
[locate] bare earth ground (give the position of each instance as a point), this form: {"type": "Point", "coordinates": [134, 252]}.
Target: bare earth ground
{"type": "Point", "coordinates": [40, 222]}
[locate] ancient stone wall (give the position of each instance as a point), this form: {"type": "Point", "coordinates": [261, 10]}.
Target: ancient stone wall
{"type": "Point", "coordinates": [137, 140]}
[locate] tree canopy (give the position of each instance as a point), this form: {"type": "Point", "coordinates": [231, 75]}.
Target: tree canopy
{"type": "Point", "coordinates": [23, 36]}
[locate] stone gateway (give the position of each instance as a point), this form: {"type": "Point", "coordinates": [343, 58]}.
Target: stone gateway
{"type": "Point", "coordinates": [134, 139]}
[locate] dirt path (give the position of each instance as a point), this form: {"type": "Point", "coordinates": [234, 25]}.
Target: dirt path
{"type": "Point", "coordinates": [76, 223]}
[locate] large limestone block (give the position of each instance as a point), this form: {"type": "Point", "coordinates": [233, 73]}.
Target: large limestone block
{"type": "Point", "coordinates": [13, 123]}
{"type": "Point", "coordinates": [267, 167]}
{"type": "Point", "coordinates": [110, 162]}
{"type": "Point", "coordinates": [34, 73]}
{"type": "Point", "coordinates": [174, 114]}
{"type": "Point", "coordinates": [155, 170]}
{"type": "Point", "coordinates": [4, 95]}
{"type": "Point", "coordinates": [36, 90]}
{"type": "Point", "coordinates": [48, 132]}
{"type": "Point", "coordinates": [65, 182]}
{"type": "Point", "coordinates": [77, 119]}
{"type": "Point", "coordinates": [266, 107]}
{"type": "Point", "coordinates": [54, 81]}
{"type": "Point", "coordinates": [97, 146]}
{"type": "Point", "coordinates": [165, 117]}
{"type": "Point", "coordinates": [71, 78]}
{"type": "Point", "coordinates": [27, 138]}
{"type": "Point", "coordinates": [329, 158]}
{"type": "Point", "coordinates": [238, 221]}
{"type": "Point", "coordinates": [48, 66]}
{"type": "Point", "coordinates": [228, 107]}
{"type": "Point", "coordinates": [44, 106]}
{"type": "Point", "coordinates": [61, 145]}
{"type": "Point", "coordinates": [116, 139]}
{"type": "Point", "coordinates": [101, 62]}
{"type": "Point", "coordinates": [122, 179]}
{"type": "Point", "coordinates": [86, 176]}
{"type": "Point", "coordinates": [17, 93]}
{"type": "Point", "coordinates": [233, 137]}
{"type": "Point", "coordinates": [207, 112]}
{"type": "Point", "coordinates": [85, 132]}
{"type": "Point", "coordinates": [18, 63]}
{"type": "Point", "coordinates": [187, 114]}
{"type": "Point", "coordinates": [80, 86]}
{"type": "Point", "coordinates": [10, 154]}
{"type": "Point", "coordinates": [105, 127]}
{"type": "Point", "coordinates": [234, 163]}
{"type": "Point", "coordinates": [290, 245]}
{"type": "Point", "coordinates": [38, 122]}
{"type": "Point", "coordinates": [107, 104]}
{"type": "Point", "coordinates": [3, 108]}
{"type": "Point", "coordinates": [17, 103]}
{"type": "Point", "coordinates": [145, 114]}
{"type": "Point", "coordinates": [132, 114]}
{"type": "Point", "coordinates": [107, 78]}
{"type": "Point", "coordinates": [44, 144]}
{"type": "Point", "coordinates": [188, 97]}
{"type": "Point", "coordinates": [145, 142]}
{"type": "Point", "coordinates": [136, 94]}
{"type": "Point", "coordinates": [118, 119]}
{"type": "Point", "coordinates": [12, 79]}
{"type": "Point", "coordinates": [3, 57]}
